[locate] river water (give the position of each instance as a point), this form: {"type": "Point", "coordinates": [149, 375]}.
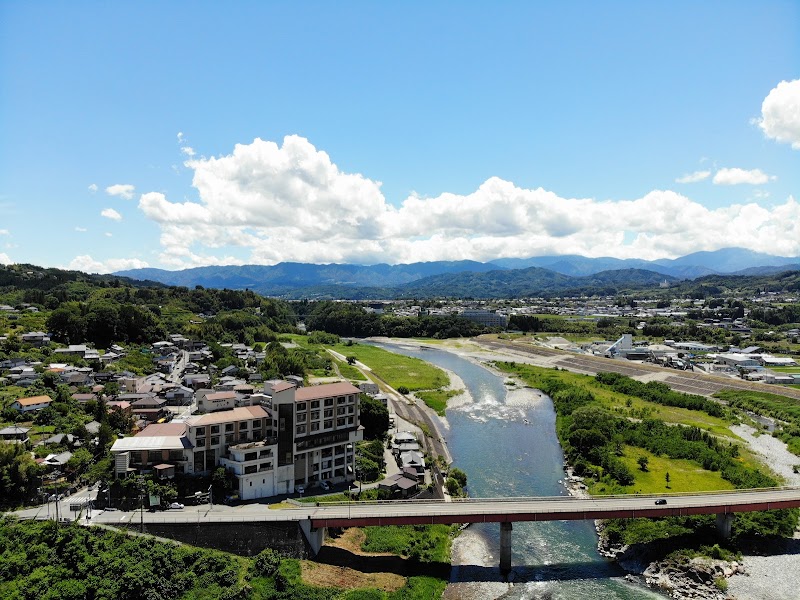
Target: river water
{"type": "Point", "coordinates": [509, 448]}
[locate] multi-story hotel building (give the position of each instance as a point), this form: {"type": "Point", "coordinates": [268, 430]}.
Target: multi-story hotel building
{"type": "Point", "coordinates": [307, 435]}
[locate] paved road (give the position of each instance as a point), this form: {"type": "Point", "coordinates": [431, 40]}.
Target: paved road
{"type": "Point", "coordinates": [468, 510]}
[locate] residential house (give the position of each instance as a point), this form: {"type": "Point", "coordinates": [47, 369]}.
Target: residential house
{"type": "Point", "coordinates": [15, 434]}
{"type": "Point", "coordinates": [31, 404]}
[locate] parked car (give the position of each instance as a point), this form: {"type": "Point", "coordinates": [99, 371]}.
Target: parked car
{"type": "Point", "coordinates": [661, 501]}
{"type": "Point", "coordinates": [300, 489]}
{"type": "Point", "coordinates": [325, 486]}
{"type": "Point", "coordinates": [176, 506]}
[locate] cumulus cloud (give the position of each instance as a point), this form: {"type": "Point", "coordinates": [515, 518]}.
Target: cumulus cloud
{"type": "Point", "coordinates": [5, 232]}
{"type": "Point", "coordinates": [93, 187]}
{"type": "Point", "coordinates": [123, 190]}
{"type": "Point", "coordinates": [180, 137]}
{"type": "Point", "coordinates": [188, 150]}
{"type": "Point", "coordinates": [736, 176]}
{"type": "Point", "coordinates": [5, 259]}
{"type": "Point", "coordinates": [780, 113]}
{"type": "Point", "coordinates": [693, 177]}
{"type": "Point", "coordinates": [87, 264]}
{"type": "Point", "coordinates": [291, 202]}
{"type": "Point", "coordinates": [110, 213]}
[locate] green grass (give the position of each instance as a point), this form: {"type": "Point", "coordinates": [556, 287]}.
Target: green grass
{"type": "Point", "coordinates": [427, 543]}
{"type": "Point", "coordinates": [437, 399]}
{"type": "Point", "coordinates": [685, 476]}
{"type": "Point", "coordinates": [395, 369]}
{"type": "Point", "coordinates": [349, 371]}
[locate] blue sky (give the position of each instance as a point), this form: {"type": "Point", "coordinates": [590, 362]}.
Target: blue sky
{"type": "Point", "coordinates": [190, 133]}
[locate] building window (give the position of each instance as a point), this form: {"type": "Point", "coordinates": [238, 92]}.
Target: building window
{"type": "Point", "coordinates": [315, 427]}
{"type": "Point", "coordinates": [301, 406]}
{"type": "Point", "coordinates": [315, 404]}
{"type": "Point", "coordinates": [340, 410]}
{"type": "Point", "coordinates": [265, 466]}
{"type": "Point", "coordinates": [328, 401]}
{"type": "Point", "coordinates": [250, 456]}
{"type": "Point", "coordinates": [315, 415]}
{"type": "Point", "coordinates": [301, 417]}
{"type": "Point", "coordinates": [201, 442]}
{"type": "Point", "coordinates": [249, 470]}
{"type": "Point", "coordinates": [328, 424]}
{"type": "Point", "coordinates": [265, 453]}
{"type": "Point", "coordinates": [214, 440]}
{"type": "Point", "coordinates": [301, 430]}
{"type": "Point", "coordinates": [200, 431]}
{"type": "Point", "coordinates": [228, 427]}
{"type": "Point", "coordinates": [350, 420]}
{"type": "Point", "coordinates": [243, 425]}
{"type": "Point", "coordinates": [340, 422]}
{"type": "Point", "coordinates": [215, 429]}
{"type": "Point", "coordinates": [229, 438]}
{"type": "Point", "coordinates": [328, 413]}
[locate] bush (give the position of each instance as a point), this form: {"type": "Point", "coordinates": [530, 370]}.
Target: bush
{"type": "Point", "coordinates": [267, 562]}
{"type": "Point", "coordinates": [403, 390]}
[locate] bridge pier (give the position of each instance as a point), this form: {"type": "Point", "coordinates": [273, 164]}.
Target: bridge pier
{"type": "Point", "coordinates": [724, 524]}
{"type": "Point", "coordinates": [314, 537]}
{"type": "Point", "coordinates": [505, 547]}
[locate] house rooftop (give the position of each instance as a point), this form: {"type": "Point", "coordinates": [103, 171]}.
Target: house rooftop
{"type": "Point", "coordinates": [226, 416]}
{"type": "Point", "coordinates": [315, 392]}
{"type": "Point", "coordinates": [34, 400]}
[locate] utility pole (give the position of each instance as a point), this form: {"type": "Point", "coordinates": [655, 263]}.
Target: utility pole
{"type": "Point", "coordinates": [141, 498]}
{"type": "Point", "coordinates": [210, 497]}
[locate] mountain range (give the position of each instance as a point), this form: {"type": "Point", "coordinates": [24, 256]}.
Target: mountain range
{"type": "Point", "coordinates": [505, 277]}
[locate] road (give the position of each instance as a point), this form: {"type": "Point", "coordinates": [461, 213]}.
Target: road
{"type": "Point", "coordinates": [479, 510]}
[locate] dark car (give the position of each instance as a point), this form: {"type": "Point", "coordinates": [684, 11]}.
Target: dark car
{"type": "Point", "coordinates": [661, 501]}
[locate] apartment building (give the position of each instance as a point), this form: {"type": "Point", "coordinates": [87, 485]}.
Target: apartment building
{"type": "Point", "coordinates": [309, 436]}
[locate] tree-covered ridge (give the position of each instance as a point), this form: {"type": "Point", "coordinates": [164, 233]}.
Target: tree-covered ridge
{"type": "Point", "coordinates": [42, 561]}
{"type": "Point", "coordinates": [347, 319]}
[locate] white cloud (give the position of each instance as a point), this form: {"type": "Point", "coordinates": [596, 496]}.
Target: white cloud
{"type": "Point", "coordinates": [87, 264]}
{"type": "Point", "coordinates": [108, 234]}
{"type": "Point", "coordinates": [110, 213]}
{"type": "Point", "coordinates": [693, 177]}
{"type": "Point", "coordinates": [736, 176]}
{"type": "Point", "coordinates": [5, 259]}
{"type": "Point", "coordinates": [81, 229]}
{"type": "Point", "coordinates": [5, 232]}
{"type": "Point", "coordinates": [780, 113]}
{"type": "Point", "coordinates": [123, 190]}
{"type": "Point", "coordinates": [188, 150]}
{"type": "Point", "coordinates": [93, 187]}
{"type": "Point", "coordinates": [180, 137]}
{"type": "Point", "coordinates": [291, 202]}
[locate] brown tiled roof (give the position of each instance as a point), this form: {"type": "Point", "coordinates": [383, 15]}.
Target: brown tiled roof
{"type": "Point", "coordinates": [283, 385]}
{"type": "Point", "coordinates": [34, 400]}
{"type": "Point", "coordinates": [316, 392]}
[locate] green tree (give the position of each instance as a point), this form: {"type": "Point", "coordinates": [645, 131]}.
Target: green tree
{"type": "Point", "coordinates": [374, 416]}
{"type": "Point", "coordinates": [643, 461]}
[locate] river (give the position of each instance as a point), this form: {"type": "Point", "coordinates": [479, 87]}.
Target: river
{"type": "Point", "coordinates": [511, 449]}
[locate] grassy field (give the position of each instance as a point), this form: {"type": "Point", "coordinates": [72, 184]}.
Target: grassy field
{"type": "Point", "coordinates": [349, 371]}
{"type": "Point", "coordinates": [437, 399]}
{"type": "Point", "coordinates": [395, 369]}
{"type": "Point", "coordinates": [427, 543]}
{"type": "Point", "coordinates": [684, 475]}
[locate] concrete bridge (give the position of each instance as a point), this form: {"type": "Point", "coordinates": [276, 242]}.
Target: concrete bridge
{"type": "Point", "coordinates": [314, 519]}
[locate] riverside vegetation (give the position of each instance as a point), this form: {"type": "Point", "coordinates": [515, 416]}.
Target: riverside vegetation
{"type": "Point", "coordinates": [603, 435]}
{"type": "Point", "coordinates": [41, 561]}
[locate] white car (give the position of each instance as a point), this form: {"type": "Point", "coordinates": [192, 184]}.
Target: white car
{"type": "Point", "coordinates": [300, 489]}
{"type": "Point", "coordinates": [176, 506]}
{"type": "Point", "coordinates": [325, 486]}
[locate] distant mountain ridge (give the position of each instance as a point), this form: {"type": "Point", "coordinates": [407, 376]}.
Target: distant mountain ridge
{"type": "Point", "coordinates": [470, 278]}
